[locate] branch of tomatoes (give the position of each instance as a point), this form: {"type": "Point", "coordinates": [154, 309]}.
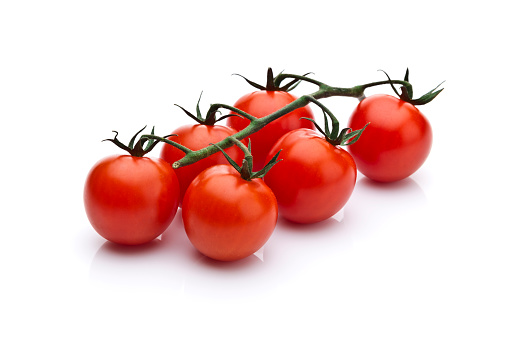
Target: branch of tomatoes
{"type": "Point", "coordinates": [147, 192]}
{"type": "Point", "coordinates": [324, 91]}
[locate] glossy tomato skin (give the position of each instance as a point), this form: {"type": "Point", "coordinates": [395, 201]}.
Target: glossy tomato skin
{"type": "Point", "coordinates": [263, 103]}
{"type": "Point", "coordinates": [131, 200]}
{"type": "Point", "coordinates": [196, 137]}
{"type": "Point", "coordinates": [396, 142]}
{"type": "Point", "coordinates": [226, 217]}
{"type": "Point", "coordinates": [314, 180]}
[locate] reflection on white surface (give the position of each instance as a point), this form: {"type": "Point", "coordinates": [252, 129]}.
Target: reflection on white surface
{"type": "Point", "coordinates": [143, 266]}
{"type": "Point", "coordinates": [371, 258]}
{"type": "Point", "coordinates": [172, 258]}
{"type": "Point", "coordinates": [170, 262]}
{"type": "Point", "coordinates": [374, 201]}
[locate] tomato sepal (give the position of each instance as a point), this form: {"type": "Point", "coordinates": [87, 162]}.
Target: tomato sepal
{"type": "Point", "coordinates": [272, 85]}
{"type": "Point", "coordinates": [246, 170]}
{"type": "Point", "coordinates": [137, 149]}
{"type": "Point", "coordinates": [345, 137]}
{"type": "Point", "coordinates": [210, 118]}
{"type": "Point", "coordinates": [407, 92]}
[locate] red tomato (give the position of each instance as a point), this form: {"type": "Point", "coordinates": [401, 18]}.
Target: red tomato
{"type": "Point", "coordinates": [226, 217]}
{"type": "Point", "coordinates": [196, 137]}
{"type": "Point", "coordinates": [314, 180]}
{"type": "Point", "coordinates": [263, 103]}
{"type": "Point", "coordinates": [131, 200]}
{"type": "Point", "coordinates": [396, 142]}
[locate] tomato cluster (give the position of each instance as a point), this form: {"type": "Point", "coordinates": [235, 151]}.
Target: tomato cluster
{"type": "Point", "coordinates": [231, 197]}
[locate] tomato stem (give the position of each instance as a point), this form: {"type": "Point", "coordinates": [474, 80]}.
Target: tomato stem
{"type": "Point", "coordinates": [246, 171]}
{"type": "Point", "coordinates": [345, 137]}
{"type": "Point", "coordinates": [335, 137]}
{"type": "Point", "coordinates": [170, 142]}
{"type": "Point", "coordinates": [242, 114]}
{"type": "Point", "coordinates": [281, 77]}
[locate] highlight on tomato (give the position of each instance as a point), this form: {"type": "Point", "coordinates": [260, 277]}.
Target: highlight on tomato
{"type": "Point", "coordinates": [316, 176]}
{"type": "Point", "coordinates": [228, 211]}
{"type": "Point", "coordinates": [399, 138]}
{"type": "Point", "coordinates": [131, 199]}
{"type": "Point", "coordinates": [261, 103]}
{"type": "Point", "coordinates": [195, 137]}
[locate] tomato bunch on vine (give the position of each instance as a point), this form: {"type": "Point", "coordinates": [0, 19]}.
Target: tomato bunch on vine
{"type": "Point", "coordinates": [270, 160]}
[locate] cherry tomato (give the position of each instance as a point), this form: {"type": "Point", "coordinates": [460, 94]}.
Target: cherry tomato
{"type": "Point", "coordinates": [263, 103]}
{"type": "Point", "coordinates": [397, 141]}
{"type": "Point", "coordinates": [196, 137]}
{"type": "Point", "coordinates": [226, 217]}
{"type": "Point", "coordinates": [314, 180]}
{"type": "Point", "coordinates": [131, 200]}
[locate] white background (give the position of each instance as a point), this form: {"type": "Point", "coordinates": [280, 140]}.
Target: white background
{"type": "Point", "coordinates": [426, 257]}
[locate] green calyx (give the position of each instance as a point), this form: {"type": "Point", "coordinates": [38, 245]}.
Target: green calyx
{"type": "Point", "coordinates": [246, 170]}
{"type": "Point", "coordinates": [138, 149]}
{"type": "Point", "coordinates": [335, 136]}
{"type": "Point", "coordinates": [271, 85]}
{"type": "Point", "coordinates": [407, 93]}
{"type": "Point", "coordinates": [210, 118]}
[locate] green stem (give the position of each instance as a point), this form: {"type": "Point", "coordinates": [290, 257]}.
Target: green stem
{"type": "Point", "coordinates": [322, 106]}
{"type": "Point", "coordinates": [281, 77]}
{"type": "Point", "coordinates": [386, 82]}
{"type": "Point", "coordinates": [214, 107]}
{"type": "Point", "coordinates": [246, 170]}
{"type": "Point", "coordinates": [255, 124]}
{"type": "Point", "coordinates": [173, 143]}
{"type": "Point", "coordinates": [356, 91]}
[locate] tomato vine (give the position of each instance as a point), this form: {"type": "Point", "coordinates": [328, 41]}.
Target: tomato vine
{"type": "Point", "coordinates": [324, 91]}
